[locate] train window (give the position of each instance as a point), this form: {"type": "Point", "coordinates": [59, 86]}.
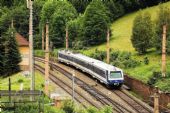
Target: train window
{"type": "Point", "coordinates": [115, 74]}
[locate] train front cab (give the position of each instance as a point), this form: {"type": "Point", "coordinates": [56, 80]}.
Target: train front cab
{"type": "Point", "coordinates": [115, 79]}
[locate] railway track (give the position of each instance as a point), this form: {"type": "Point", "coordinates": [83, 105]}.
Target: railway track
{"type": "Point", "coordinates": [79, 97]}
{"type": "Point", "coordinates": [139, 108]}
{"type": "Point", "coordinates": [133, 103]}
{"type": "Point", "coordinates": [91, 90]}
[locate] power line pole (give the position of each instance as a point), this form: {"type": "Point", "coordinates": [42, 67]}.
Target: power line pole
{"type": "Point", "coordinates": [67, 38]}
{"type": "Point", "coordinates": [47, 60]}
{"type": "Point", "coordinates": [31, 59]}
{"type": "Point", "coordinates": [108, 46]}
{"type": "Point", "coordinates": [164, 51]}
{"type": "Point", "coordinates": [43, 38]}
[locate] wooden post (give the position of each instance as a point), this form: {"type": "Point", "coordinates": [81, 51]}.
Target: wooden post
{"type": "Point", "coordinates": [31, 59]}
{"type": "Point", "coordinates": [43, 38]}
{"type": "Point", "coordinates": [156, 101]}
{"type": "Point", "coordinates": [9, 89]}
{"type": "Point", "coordinates": [47, 60]}
{"type": "Point", "coordinates": [67, 45]}
{"type": "Point", "coordinates": [108, 46]}
{"type": "Point", "coordinates": [164, 51]}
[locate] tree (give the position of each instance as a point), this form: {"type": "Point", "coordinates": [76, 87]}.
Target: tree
{"type": "Point", "coordinates": [163, 19]}
{"type": "Point", "coordinates": [58, 13]}
{"type": "Point", "coordinates": [12, 55]}
{"type": "Point", "coordinates": [2, 52]}
{"type": "Point", "coordinates": [20, 14]}
{"type": "Point", "coordinates": [75, 29]}
{"type": "Point", "coordinates": [80, 5]}
{"type": "Point", "coordinates": [142, 33]}
{"type": "Point", "coordinates": [95, 24]}
{"type": "Point", "coordinates": [115, 8]}
{"type": "Point", "coordinates": [64, 13]}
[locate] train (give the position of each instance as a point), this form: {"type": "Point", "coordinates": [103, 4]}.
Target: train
{"type": "Point", "coordinates": [110, 75]}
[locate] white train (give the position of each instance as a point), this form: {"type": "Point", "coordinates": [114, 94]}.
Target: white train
{"type": "Point", "coordinates": [105, 73]}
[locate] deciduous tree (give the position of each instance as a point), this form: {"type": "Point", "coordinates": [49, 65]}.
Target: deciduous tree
{"type": "Point", "coordinates": [96, 22]}
{"type": "Point", "coordinates": [142, 33]}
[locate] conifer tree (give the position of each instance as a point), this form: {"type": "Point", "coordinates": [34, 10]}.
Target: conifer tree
{"type": "Point", "coordinates": [12, 55]}
{"type": "Point", "coordinates": [2, 49]}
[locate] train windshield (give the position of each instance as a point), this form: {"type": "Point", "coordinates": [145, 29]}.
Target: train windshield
{"type": "Point", "coordinates": [115, 74]}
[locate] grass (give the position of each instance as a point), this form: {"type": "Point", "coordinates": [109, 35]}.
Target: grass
{"type": "Point", "coordinates": [122, 30]}
{"type": "Point", "coordinates": [39, 80]}
{"type": "Point", "coordinates": [15, 85]}
{"type": "Point", "coordinates": [120, 40]}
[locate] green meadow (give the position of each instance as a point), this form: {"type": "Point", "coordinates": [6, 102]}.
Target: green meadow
{"type": "Point", "coordinates": [120, 40]}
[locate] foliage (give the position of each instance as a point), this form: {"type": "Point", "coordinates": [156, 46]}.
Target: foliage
{"type": "Point", "coordinates": [117, 58]}
{"type": "Point", "coordinates": [2, 56]}
{"type": "Point", "coordinates": [80, 5]}
{"type": "Point", "coordinates": [37, 8]}
{"type": "Point", "coordinates": [100, 55]}
{"type": "Point", "coordinates": [5, 20]}
{"type": "Point", "coordinates": [12, 56]}
{"type": "Point", "coordinates": [146, 60]}
{"type": "Point", "coordinates": [68, 106]}
{"type": "Point", "coordinates": [115, 9]}
{"type": "Point", "coordinates": [96, 23]}
{"type": "Point", "coordinates": [58, 13]}
{"type": "Point", "coordinates": [21, 21]}
{"type": "Point", "coordinates": [163, 18]}
{"type": "Point", "coordinates": [75, 29]}
{"type": "Point", "coordinates": [27, 108]}
{"type": "Point", "coordinates": [155, 76]}
{"type": "Point", "coordinates": [63, 14]}
{"type": "Point", "coordinates": [142, 33]}
{"type": "Point", "coordinates": [20, 81]}
{"type": "Point", "coordinates": [123, 60]}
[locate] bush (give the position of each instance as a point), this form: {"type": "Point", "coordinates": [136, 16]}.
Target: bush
{"type": "Point", "coordinates": [78, 45]}
{"type": "Point", "coordinates": [130, 63]}
{"type": "Point", "coordinates": [20, 81]}
{"type": "Point", "coordinates": [117, 58]}
{"type": "Point", "coordinates": [68, 106]}
{"type": "Point", "coordinates": [146, 60]}
{"type": "Point", "coordinates": [155, 76]}
{"type": "Point", "coordinates": [123, 59]}
{"type": "Point", "coordinates": [114, 55]}
{"type": "Point", "coordinates": [99, 55]}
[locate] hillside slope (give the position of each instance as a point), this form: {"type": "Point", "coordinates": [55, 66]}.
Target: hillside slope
{"type": "Point", "coordinates": [122, 30]}
{"type": "Point", "coordinates": [120, 40]}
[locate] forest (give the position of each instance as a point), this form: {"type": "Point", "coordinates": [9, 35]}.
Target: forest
{"type": "Point", "coordinates": [87, 22]}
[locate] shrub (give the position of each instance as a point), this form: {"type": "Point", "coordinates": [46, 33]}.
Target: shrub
{"type": "Point", "coordinates": [20, 81]}
{"type": "Point", "coordinates": [123, 59]}
{"type": "Point", "coordinates": [155, 76]}
{"type": "Point", "coordinates": [146, 60]}
{"type": "Point", "coordinates": [68, 106]}
{"type": "Point", "coordinates": [100, 55]}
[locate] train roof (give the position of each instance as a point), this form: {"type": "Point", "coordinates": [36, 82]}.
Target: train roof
{"type": "Point", "coordinates": [95, 62]}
